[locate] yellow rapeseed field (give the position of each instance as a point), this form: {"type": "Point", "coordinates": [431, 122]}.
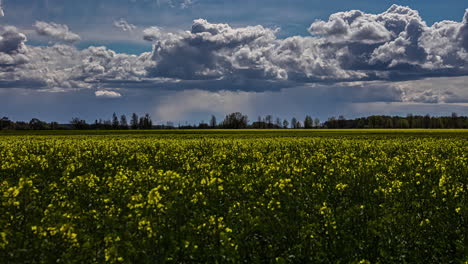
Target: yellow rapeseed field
{"type": "Point", "coordinates": [209, 198]}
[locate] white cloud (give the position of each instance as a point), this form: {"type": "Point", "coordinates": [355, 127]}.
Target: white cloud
{"type": "Point", "coordinates": [354, 45]}
{"type": "Point", "coordinates": [107, 94]}
{"type": "Point", "coordinates": [12, 41]}
{"type": "Point", "coordinates": [463, 31]}
{"type": "Point", "coordinates": [13, 50]}
{"type": "Point", "coordinates": [153, 34]}
{"type": "Point", "coordinates": [124, 25]}
{"type": "Point", "coordinates": [352, 26]}
{"type": "Point", "coordinates": [66, 67]}
{"type": "Point", "coordinates": [395, 42]}
{"type": "Point", "coordinates": [1, 10]}
{"type": "Point", "coordinates": [211, 51]}
{"type": "Point", "coordinates": [56, 31]}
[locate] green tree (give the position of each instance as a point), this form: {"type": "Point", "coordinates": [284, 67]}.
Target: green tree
{"type": "Point", "coordinates": [145, 122]}
{"type": "Point", "coordinates": [317, 122]}
{"type": "Point", "coordinates": [134, 121]}
{"type": "Point", "coordinates": [123, 122]}
{"type": "Point", "coordinates": [308, 122]}
{"type": "Point", "coordinates": [269, 120]}
{"type": "Point", "coordinates": [235, 120]}
{"type": "Point", "coordinates": [115, 121]}
{"type": "Point", "coordinates": [37, 124]}
{"type": "Point", "coordinates": [5, 122]}
{"type": "Point", "coordinates": [78, 123]}
{"type": "Point", "coordinates": [294, 123]}
{"type": "Point", "coordinates": [278, 122]}
{"type": "Point", "coordinates": [213, 121]}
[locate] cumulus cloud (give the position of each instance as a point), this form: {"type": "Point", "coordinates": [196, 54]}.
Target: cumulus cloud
{"type": "Point", "coordinates": [107, 94]}
{"type": "Point", "coordinates": [463, 32]}
{"type": "Point", "coordinates": [66, 67]}
{"type": "Point", "coordinates": [124, 25]}
{"type": "Point", "coordinates": [12, 41]}
{"type": "Point", "coordinates": [56, 31]}
{"type": "Point", "coordinates": [396, 44]}
{"type": "Point", "coordinates": [152, 34]}
{"type": "Point", "coordinates": [351, 46]}
{"type": "Point", "coordinates": [357, 26]}
{"type": "Point", "coordinates": [1, 10]}
{"type": "Point", "coordinates": [352, 26]}
{"type": "Point", "coordinates": [208, 51]}
{"type": "Point", "coordinates": [13, 50]}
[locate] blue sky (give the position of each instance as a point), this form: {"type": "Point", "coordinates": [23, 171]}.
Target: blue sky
{"type": "Point", "coordinates": [286, 58]}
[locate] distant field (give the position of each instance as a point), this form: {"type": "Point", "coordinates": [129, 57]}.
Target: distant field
{"type": "Point", "coordinates": [232, 196]}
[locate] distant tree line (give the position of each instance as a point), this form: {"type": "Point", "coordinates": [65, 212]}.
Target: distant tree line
{"type": "Point", "coordinates": [115, 123]}
{"type": "Point", "coordinates": [410, 121]}
{"type": "Point", "coordinates": [238, 120]}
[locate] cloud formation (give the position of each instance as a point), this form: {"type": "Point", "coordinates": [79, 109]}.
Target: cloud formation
{"type": "Point", "coordinates": [56, 31]}
{"type": "Point", "coordinates": [13, 50]}
{"type": "Point", "coordinates": [64, 67]}
{"type": "Point", "coordinates": [396, 43]}
{"type": "Point", "coordinates": [1, 10]}
{"type": "Point", "coordinates": [351, 46]}
{"type": "Point", "coordinates": [124, 25]}
{"type": "Point", "coordinates": [107, 94]}
{"type": "Point", "coordinates": [212, 51]}
{"type": "Point", "coordinates": [152, 34]}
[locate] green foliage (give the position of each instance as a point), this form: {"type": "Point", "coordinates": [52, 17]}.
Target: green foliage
{"type": "Point", "coordinates": [235, 121]}
{"type": "Point", "coordinates": [308, 122]}
{"type": "Point", "coordinates": [151, 199]}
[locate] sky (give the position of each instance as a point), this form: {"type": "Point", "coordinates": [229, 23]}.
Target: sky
{"type": "Point", "coordinates": [184, 60]}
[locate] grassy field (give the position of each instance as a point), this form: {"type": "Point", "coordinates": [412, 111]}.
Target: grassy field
{"type": "Point", "coordinates": [232, 196]}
